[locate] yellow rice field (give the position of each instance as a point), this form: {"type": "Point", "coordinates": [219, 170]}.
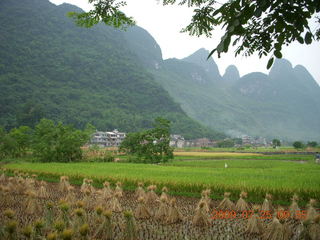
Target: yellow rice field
{"type": "Point", "coordinates": [215, 154]}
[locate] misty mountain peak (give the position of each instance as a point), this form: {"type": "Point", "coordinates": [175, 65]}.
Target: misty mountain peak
{"type": "Point", "coordinates": [200, 58]}
{"type": "Point", "coordinates": [231, 74]}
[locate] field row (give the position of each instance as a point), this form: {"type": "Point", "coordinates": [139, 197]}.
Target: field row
{"type": "Point", "coordinates": [280, 178]}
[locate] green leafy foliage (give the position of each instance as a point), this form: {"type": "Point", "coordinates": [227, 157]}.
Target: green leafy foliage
{"type": "Point", "coordinates": [107, 11]}
{"type": "Point", "coordinates": [227, 143]}
{"type": "Point", "coordinates": [312, 144]}
{"type": "Point", "coordinates": [150, 146]}
{"type": "Point", "coordinates": [259, 26]}
{"type": "Point", "coordinates": [58, 142]}
{"type": "Point", "coordinates": [298, 145]}
{"type": "Point", "coordinates": [276, 143]}
{"type": "Point", "coordinates": [16, 142]}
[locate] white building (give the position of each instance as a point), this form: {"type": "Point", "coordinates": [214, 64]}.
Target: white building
{"type": "Point", "coordinates": [108, 139]}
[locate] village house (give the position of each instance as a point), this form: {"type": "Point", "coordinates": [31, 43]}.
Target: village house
{"type": "Point", "coordinates": [177, 141]}
{"type": "Point", "coordinates": [107, 139]}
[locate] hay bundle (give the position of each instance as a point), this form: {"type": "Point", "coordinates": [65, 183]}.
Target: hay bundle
{"type": "Point", "coordinates": [140, 191]}
{"type": "Point", "coordinates": [31, 205]}
{"type": "Point", "coordinates": [226, 203]}
{"type": "Point", "coordinates": [174, 216]}
{"type": "Point", "coordinates": [162, 212]}
{"type": "Point", "coordinates": [278, 230]}
{"type": "Point", "coordinates": [118, 189]}
{"type": "Point", "coordinates": [43, 190]}
{"type": "Point", "coordinates": [85, 185]}
{"type": "Point", "coordinates": [254, 225]}
{"type": "Point", "coordinates": [294, 208]}
{"type": "Point", "coordinates": [242, 205]}
{"type": "Point", "coordinates": [64, 184]}
{"type": "Point", "coordinates": [311, 212]}
{"type": "Point", "coordinates": [114, 204]}
{"type": "Point", "coordinates": [151, 196]}
{"type": "Point", "coordinates": [87, 199]}
{"type": "Point", "coordinates": [71, 195]}
{"type": "Point", "coordinates": [131, 232]}
{"type": "Point", "coordinates": [200, 218]}
{"type": "Point", "coordinates": [164, 194]}
{"type": "Point", "coordinates": [142, 212]}
{"type": "Point", "coordinates": [314, 229]}
{"type": "Point", "coordinates": [267, 203]}
{"type": "Point", "coordinates": [205, 201]}
{"type": "Point", "coordinates": [12, 185]}
{"type": "Point", "coordinates": [106, 191]}
{"type": "Point", "coordinates": [21, 186]}
{"type": "Point", "coordinates": [2, 178]}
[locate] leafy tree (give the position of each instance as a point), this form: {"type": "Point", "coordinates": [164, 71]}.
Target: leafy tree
{"type": "Point", "coordinates": [150, 146]}
{"type": "Point", "coordinates": [22, 137]}
{"type": "Point", "coordinates": [227, 143]}
{"type": "Point", "coordinates": [276, 143]}
{"type": "Point", "coordinates": [298, 145]}
{"type": "Point", "coordinates": [58, 142]}
{"type": "Point", "coordinates": [261, 26]}
{"type": "Point", "coordinates": [312, 144]}
{"type": "Point", "coordinates": [8, 145]}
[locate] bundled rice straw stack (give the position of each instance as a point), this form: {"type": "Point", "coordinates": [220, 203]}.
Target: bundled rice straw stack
{"type": "Point", "coordinates": [164, 194]}
{"type": "Point", "coordinates": [118, 189]}
{"type": "Point", "coordinates": [201, 218]}
{"type": "Point", "coordinates": [71, 195]}
{"type": "Point", "coordinates": [294, 208]}
{"type": "Point", "coordinates": [142, 212]}
{"type": "Point", "coordinates": [205, 200]}
{"type": "Point", "coordinates": [242, 205]}
{"type": "Point", "coordinates": [140, 191]}
{"type": "Point", "coordinates": [314, 229]}
{"type": "Point", "coordinates": [43, 190]}
{"type": "Point", "coordinates": [114, 204]}
{"type": "Point", "coordinates": [267, 203]}
{"type": "Point", "coordinates": [106, 191]}
{"type": "Point", "coordinates": [85, 185]}
{"type": "Point", "coordinates": [174, 216]}
{"type": "Point", "coordinates": [151, 196]}
{"type": "Point", "coordinates": [162, 213]}
{"type": "Point", "coordinates": [64, 184]}
{"type": "Point", "coordinates": [2, 178]}
{"type": "Point", "coordinates": [31, 205]}
{"type": "Point", "coordinates": [226, 203]}
{"type": "Point", "coordinates": [277, 229]}
{"type": "Point", "coordinates": [311, 212]}
{"type": "Point", "coordinates": [254, 225]}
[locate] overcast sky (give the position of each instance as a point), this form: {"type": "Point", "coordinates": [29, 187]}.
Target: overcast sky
{"type": "Point", "coordinates": [165, 22]}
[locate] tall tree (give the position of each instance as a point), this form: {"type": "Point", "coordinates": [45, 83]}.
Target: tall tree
{"type": "Point", "coordinates": [58, 142]}
{"type": "Point", "coordinates": [254, 26]}
{"type": "Point", "coordinates": [150, 146]}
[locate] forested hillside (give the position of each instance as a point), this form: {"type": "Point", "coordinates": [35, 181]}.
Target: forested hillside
{"type": "Point", "coordinates": [49, 67]}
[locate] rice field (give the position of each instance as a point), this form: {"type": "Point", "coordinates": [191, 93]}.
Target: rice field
{"type": "Point", "coordinates": [215, 154]}
{"type": "Point", "coordinates": [281, 178]}
{"type": "Point", "coordinates": [33, 209]}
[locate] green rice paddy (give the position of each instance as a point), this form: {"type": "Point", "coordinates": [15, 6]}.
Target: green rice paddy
{"type": "Point", "coordinates": [281, 178]}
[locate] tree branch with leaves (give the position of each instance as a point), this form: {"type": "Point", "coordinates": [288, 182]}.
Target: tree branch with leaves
{"type": "Point", "coordinates": [252, 26]}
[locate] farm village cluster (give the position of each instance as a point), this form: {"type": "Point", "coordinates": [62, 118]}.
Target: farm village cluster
{"type": "Point", "coordinates": [34, 209]}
